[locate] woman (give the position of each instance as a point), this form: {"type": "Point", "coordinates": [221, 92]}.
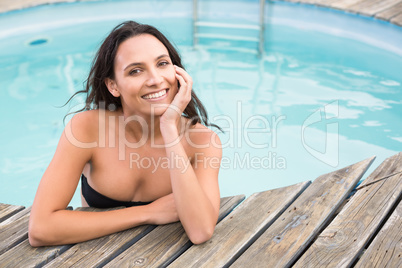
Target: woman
{"type": "Point", "coordinates": [149, 151]}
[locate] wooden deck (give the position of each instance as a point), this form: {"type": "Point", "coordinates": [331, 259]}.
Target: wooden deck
{"type": "Point", "coordinates": [388, 10]}
{"type": "Point", "coordinates": [328, 222]}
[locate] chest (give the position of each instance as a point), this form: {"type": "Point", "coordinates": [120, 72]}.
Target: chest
{"type": "Point", "coordinates": [138, 174]}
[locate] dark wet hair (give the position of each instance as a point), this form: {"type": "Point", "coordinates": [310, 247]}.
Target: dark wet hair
{"type": "Point", "coordinates": [103, 67]}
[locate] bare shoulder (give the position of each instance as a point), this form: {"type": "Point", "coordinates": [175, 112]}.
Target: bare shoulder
{"type": "Point", "coordinates": [88, 125]}
{"type": "Point", "coordinates": [85, 120]}
{"type": "Point", "coordinates": [83, 126]}
{"type": "Point", "coordinates": [85, 116]}
{"type": "Point", "coordinates": [203, 137]}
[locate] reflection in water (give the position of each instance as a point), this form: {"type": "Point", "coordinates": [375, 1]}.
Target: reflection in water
{"type": "Point", "coordinates": [285, 85]}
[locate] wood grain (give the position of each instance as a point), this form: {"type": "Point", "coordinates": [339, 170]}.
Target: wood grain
{"type": "Point", "coordinates": [165, 243]}
{"type": "Point", "coordinates": [14, 230]}
{"type": "Point", "coordinates": [259, 232]}
{"type": "Point", "coordinates": [286, 239]}
{"type": "Point", "coordinates": [97, 252]}
{"type": "Point", "coordinates": [345, 4]}
{"type": "Point", "coordinates": [23, 255]}
{"type": "Point", "coordinates": [397, 19]}
{"type": "Point", "coordinates": [342, 242]}
{"type": "Point", "coordinates": [391, 12]}
{"type": "Point", "coordinates": [238, 231]}
{"type": "Point", "coordinates": [386, 248]}
{"type": "Point", "coordinates": [7, 211]}
{"type": "Point", "coordinates": [371, 7]}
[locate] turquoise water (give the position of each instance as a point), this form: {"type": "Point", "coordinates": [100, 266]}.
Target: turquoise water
{"type": "Point", "coordinates": [325, 93]}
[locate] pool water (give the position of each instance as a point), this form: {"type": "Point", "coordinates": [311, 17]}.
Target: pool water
{"type": "Point", "coordinates": [325, 93]}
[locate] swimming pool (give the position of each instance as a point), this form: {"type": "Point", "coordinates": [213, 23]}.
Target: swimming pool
{"type": "Point", "coordinates": [325, 93]}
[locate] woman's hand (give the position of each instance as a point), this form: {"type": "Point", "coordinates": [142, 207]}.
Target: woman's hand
{"type": "Point", "coordinates": [173, 113]}
{"type": "Point", "coordinates": [164, 210]}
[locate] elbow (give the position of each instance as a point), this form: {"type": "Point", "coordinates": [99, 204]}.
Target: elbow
{"type": "Point", "coordinates": [34, 238]}
{"type": "Point", "coordinates": [34, 242]}
{"type": "Point", "coordinates": [201, 236]}
{"type": "Point", "coordinates": [37, 235]}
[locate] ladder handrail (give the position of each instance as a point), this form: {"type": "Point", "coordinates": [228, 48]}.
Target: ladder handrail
{"type": "Point", "coordinates": [195, 19]}
{"type": "Point", "coordinates": [261, 25]}
{"type": "Point", "coordinates": [262, 28]}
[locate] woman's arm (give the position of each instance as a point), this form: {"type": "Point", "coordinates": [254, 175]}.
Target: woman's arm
{"type": "Point", "coordinates": [195, 187]}
{"type": "Point", "coordinates": [50, 222]}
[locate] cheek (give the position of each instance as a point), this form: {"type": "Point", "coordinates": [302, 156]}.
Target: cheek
{"type": "Point", "coordinates": [171, 77]}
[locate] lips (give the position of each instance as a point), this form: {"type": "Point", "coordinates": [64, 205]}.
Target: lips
{"type": "Point", "coordinates": [155, 95]}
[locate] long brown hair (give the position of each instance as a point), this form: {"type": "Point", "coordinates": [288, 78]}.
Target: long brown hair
{"type": "Point", "coordinates": [103, 67]}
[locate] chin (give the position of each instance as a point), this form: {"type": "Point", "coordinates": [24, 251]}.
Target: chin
{"type": "Point", "coordinates": [159, 109]}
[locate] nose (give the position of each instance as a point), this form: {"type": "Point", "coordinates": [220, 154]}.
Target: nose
{"type": "Point", "coordinates": [154, 78]}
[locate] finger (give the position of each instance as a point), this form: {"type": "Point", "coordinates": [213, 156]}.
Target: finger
{"type": "Point", "coordinates": [181, 80]}
{"type": "Point", "coordinates": [183, 85]}
{"type": "Point", "coordinates": [185, 75]}
{"type": "Point", "coordinates": [185, 90]}
{"type": "Point", "coordinates": [183, 96]}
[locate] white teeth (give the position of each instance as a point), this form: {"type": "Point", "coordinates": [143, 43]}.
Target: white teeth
{"type": "Point", "coordinates": [155, 95]}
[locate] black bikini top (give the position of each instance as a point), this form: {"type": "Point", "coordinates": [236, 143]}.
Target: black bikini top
{"type": "Point", "coordinates": [98, 200]}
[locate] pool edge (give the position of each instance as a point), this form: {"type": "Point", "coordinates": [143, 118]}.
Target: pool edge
{"type": "Point", "coordinates": [389, 12]}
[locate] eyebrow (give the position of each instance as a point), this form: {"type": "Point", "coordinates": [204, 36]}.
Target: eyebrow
{"type": "Point", "coordinates": [139, 63]}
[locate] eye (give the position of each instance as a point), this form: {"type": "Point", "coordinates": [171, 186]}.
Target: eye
{"type": "Point", "coordinates": [163, 63]}
{"type": "Point", "coordinates": [134, 71]}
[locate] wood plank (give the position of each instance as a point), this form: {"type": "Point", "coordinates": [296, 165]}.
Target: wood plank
{"type": "Point", "coordinates": [4, 224]}
{"type": "Point", "coordinates": [236, 233]}
{"type": "Point", "coordinates": [293, 1]}
{"type": "Point", "coordinates": [14, 230]}
{"type": "Point", "coordinates": [385, 250]}
{"type": "Point", "coordinates": [324, 3]}
{"type": "Point", "coordinates": [397, 20]}
{"type": "Point", "coordinates": [6, 211]}
{"type": "Point", "coordinates": [341, 243]}
{"type": "Point", "coordinates": [15, 247]}
{"type": "Point", "coordinates": [384, 5]}
{"type": "Point", "coordinates": [358, 7]}
{"type": "Point", "coordinates": [97, 252]}
{"type": "Point", "coordinates": [23, 253]}
{"type": "Point", "coordinates": [345, 4]}
{"type": "Point", "coordinates": [369, 8]}
{"type": "Point", "coordinates": [165, 242]}
{"type": "Point", "coordinates": [391, 12]}
{"type": "Point", "coordinates": [286, 239]}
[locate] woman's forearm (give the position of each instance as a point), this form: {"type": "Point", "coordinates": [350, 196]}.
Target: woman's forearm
{"type": "Point", "coordinates": [66, 227]}
{"type": "Point", "coordinates": [196, 212]}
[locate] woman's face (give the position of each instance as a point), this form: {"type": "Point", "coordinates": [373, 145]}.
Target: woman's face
{"type": "Point", "coordinates": [144, 76]}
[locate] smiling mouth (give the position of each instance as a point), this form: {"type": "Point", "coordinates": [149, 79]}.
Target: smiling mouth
{"type": "Point", "coordinates": [155, 95]}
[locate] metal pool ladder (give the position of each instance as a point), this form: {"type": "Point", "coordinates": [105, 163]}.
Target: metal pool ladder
{"type": "Point", "coordinates": [198, 25]}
